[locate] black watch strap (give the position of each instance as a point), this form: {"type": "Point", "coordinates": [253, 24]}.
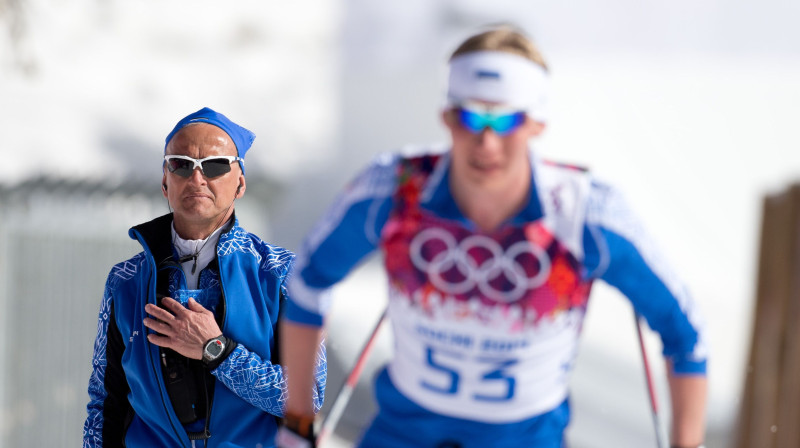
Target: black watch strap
{"type": "Point", "coordinates": [230, 344]}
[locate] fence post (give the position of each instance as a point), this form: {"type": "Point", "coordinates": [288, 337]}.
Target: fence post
{"type": "Point", "coordinates": [770, 408]}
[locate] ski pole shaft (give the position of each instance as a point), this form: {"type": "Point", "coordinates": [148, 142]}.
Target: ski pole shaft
{"type": "Point", "coordinates": [340, 403]}
{"type": "Point", "coordinates": [649, 378]}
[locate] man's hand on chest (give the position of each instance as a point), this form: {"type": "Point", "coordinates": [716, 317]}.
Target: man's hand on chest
{"type": "Point", "coordinates": [182, 329]}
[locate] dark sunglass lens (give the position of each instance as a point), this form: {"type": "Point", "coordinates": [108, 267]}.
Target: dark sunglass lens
{"type": "Point", "coordinates": [181, 167]}
{"type": "Point", "coordinates": [216, 167]}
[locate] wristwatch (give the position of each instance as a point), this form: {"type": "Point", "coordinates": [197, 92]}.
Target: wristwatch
{"type": "Point", "coordinates": [213, 349]}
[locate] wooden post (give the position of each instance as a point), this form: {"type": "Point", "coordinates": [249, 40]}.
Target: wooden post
{"type": "Point", "coordinates": [770, 409]}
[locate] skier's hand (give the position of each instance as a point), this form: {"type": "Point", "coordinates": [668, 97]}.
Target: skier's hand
{"type": "Point", "coordinates": [296, 432]}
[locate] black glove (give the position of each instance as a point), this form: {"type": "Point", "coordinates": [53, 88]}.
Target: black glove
{"type": "Point", "coordinates": [296, 432]}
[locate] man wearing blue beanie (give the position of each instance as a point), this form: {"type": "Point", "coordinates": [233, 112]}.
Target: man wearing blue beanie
{"type": "Point", "coordinates": [186, 350]}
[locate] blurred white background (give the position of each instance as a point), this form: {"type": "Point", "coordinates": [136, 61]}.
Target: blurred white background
{"type": "Point", "coordinates": [689, 106]}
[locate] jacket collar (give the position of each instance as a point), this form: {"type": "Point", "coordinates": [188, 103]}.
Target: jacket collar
{"type": "Point", "coordinates": [155, 236]}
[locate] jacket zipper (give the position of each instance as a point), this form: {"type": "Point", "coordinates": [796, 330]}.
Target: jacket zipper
{"type": "Point", "coordinates": [156, 368]}
{"type": "Point", "coordinates": [224, 301]}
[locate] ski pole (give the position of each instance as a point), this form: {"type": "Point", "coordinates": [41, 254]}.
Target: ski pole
{"type": "Point", "coordinates": [340, 403]}
{"type": "Point", "coordinates": [649, 378]}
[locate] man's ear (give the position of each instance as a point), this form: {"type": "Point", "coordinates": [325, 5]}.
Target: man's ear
{"type": "Point", "coordinates": [535, 128]}
{"type": "Point", "coordinates": [241, 188]}
{"type": "Point", "coordinates": [449, 118]}
{"type": "Point", "coordinates": [164, 185]}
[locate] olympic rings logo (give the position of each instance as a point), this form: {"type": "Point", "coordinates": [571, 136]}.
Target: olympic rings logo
{"type": "Point", "coordinates": [456, 255]}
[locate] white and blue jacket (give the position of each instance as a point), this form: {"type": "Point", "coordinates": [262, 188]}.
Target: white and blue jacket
{"type": "Point", "coordinates": [129, 404]}
{"type": "Point", "coordinates": [487, 324]}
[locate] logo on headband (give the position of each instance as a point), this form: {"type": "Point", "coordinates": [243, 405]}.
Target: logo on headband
{"type": "Point", "coordinates": [485, 74]}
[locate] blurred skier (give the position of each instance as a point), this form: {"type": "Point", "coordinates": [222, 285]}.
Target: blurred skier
{"type": "Point", "coordinates": [490, 253]}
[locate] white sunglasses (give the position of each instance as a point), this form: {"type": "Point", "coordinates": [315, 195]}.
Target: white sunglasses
{"type": "Point", "coordinates": [211, 167]}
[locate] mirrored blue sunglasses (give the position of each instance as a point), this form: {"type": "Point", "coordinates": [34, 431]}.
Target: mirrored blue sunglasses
{"type": "Point", "coordinates": [501, 122]}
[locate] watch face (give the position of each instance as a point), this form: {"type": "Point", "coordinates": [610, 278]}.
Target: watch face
{"type": "Point", "coordinates": [214, 348]}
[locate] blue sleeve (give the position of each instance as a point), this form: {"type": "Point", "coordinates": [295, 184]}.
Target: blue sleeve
{"type": "Point", "coordinates": [348, 232]}
{"type": "Point", "coordinates": [262, 383]}
{"type": "Point", "coordinates": [93, 427]}
{"type": "Point", "coordinates": [108, 405]}
{"type": "Point", "coordinates": [618, 251]}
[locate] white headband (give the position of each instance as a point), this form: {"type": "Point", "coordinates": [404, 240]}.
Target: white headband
{"type": "Point", "coordinates": [499, 77]}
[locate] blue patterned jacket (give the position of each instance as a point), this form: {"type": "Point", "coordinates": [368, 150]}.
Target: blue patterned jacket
{"type": "Point", "coordinates": [129, 404]}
